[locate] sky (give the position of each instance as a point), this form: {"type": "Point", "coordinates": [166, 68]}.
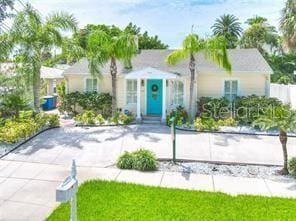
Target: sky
{"type": "Point", "coordinates": [171, 20]}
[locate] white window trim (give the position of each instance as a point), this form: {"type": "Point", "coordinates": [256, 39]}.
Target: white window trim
{"type": "Point", "coordinates": [231, 79]}
{"type": "Point", "coordinates": [90, 78]}
{"type": "Point", "coordinates": [171, 93]}
{"type": "Point", "coordinates": [125, 91]}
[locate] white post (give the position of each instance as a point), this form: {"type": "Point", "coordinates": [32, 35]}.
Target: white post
{"type": "Point", "coordinates": [163, 118]}
{"type": "Point", "coordinates": [73, 199]}
{"type": "Point", "coordinates": [138, 100]}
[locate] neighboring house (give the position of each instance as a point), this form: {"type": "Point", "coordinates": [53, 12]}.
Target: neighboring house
{"type": "Point", "coordinates": [154, 88]}
{"type": "Point", "coordinates": [52, 76]}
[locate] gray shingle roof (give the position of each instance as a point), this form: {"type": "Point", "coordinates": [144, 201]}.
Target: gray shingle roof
{"type": "Point", "coordinates": [242, 60]}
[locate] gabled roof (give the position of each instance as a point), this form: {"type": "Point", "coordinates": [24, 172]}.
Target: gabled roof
{"type": "Point", "coordinates": [242, 60]}
{"type": "Point", "coordinates": [51, 73]}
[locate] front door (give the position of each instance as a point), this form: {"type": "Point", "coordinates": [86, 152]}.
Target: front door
{"type": "Point", "coordinates": [154, 97]}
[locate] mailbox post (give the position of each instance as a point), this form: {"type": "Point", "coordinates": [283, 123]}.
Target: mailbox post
{"type": "Point", "coordinates": [67, 190]}
{"type": "Point", "coordinates": [173, 133]}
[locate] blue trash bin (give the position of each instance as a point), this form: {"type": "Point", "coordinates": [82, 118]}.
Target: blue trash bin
{"type": "Point", "coordinates": [48, 103]}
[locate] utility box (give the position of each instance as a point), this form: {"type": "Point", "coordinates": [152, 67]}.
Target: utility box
{"type": "Point", "coordinates": [66, 190]}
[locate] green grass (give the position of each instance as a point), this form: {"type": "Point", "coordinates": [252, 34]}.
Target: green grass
{"type": "Point", "coordinates": [103, 200]}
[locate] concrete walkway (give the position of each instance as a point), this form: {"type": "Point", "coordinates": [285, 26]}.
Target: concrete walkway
{"type": "Point", "coordinates": [27, 190]}
{"type": "Point", "coordinates": [30, 174]}
{"type": "Point", "coordinates": [101, 146]}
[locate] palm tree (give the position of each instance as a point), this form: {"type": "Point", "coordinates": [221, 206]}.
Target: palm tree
{"type": "Point", "coordinates": [229, 27]}
{"type": "Point", "coordinates": [258, 34]}
{"type": "Point", "coordinates": [288, 24]}
{"type": "Point", "coordinates": [256, 20]}
{"type": "Point", "coordinates": [31, 38]}
{"type": "Point", "coordinates": [213, 48]}
{"type": "Point", "coordinates": [103, 47]}
{"type": "Point", "coordinates": [284, 120]}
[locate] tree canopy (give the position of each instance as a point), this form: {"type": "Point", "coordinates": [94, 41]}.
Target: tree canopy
{"type": "Point", "coordinates": [288, 24]}
{"type": "Point", "coordinates": [144, 40]}
{"type": "Point", "coordinates": [228, 26]}
{"type": "Point", "coordinates": [259, 34]}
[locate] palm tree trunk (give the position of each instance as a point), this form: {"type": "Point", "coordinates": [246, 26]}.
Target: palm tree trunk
{"type": "Point", "coordinates": [36, 87]}
{"type": "Point", "coordinates": [283, 138]}
{"type": "Point", "coordinates": [192, 78]}
{"type": "Point", "coordinates": [113, 71]}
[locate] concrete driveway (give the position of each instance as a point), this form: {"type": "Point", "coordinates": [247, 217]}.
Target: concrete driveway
{"type": "Point", "coordinates": [101, 146]}
{"type": "Point", "coordinates": [29, 175]}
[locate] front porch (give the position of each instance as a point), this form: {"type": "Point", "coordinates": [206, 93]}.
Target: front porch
{"type": "Point", "coordinates": [154, 84]}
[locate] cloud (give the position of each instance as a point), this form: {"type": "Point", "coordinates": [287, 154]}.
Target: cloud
{"type": "Point", "coordinates": [171, 20]}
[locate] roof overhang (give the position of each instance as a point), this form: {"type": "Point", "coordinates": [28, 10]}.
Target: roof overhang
{"type": "Point", "coordinates": [51, 73]}
{"type": "Point", "coordinates": [150, 73]}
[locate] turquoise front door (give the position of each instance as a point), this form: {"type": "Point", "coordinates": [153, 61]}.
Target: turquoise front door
{"type": "Point", "coordinates": [154, 97]}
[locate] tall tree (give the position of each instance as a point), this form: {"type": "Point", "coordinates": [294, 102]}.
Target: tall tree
{"type": "Point", "coordinates": [284, 120]}
{"type": "Point", "coordinates": [228, 26]}
{"type": "Point", "coordinates": [31, 38]}
{"type": "Point", "coordinates": [258, 34]}
{"type": "Point", "coordinates": [104, 47]}
{"type": "Point", "coordinates": [145, 41]}
{"type": "Point", "coordinates": [256, 20]}
{"type": "Point", "coordinates": [288, 24]}
{"type": "Point", "coordinates": [213, 48]}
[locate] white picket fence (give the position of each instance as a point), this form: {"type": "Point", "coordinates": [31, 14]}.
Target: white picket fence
{"type": "Point", "coordinates": [286, 93]}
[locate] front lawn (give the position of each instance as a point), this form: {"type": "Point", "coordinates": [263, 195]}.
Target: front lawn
{"type": "Point", "coordinates": [103, 200]}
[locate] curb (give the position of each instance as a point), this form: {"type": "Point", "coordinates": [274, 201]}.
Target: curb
{"type": "Point", "coordinates": [109, 125]}
{"type": "Point", "coordinates": [218, 162]}
{"type": "Point", "coordinates": [26, 140]}
{"type": "Point", "coordinates": [229, 132]}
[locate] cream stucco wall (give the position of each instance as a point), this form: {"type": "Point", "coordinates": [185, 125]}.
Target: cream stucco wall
{"type": "Point", "coordinates": [206, 85]}
{"type": "Point", "coordinates": [212, 85]}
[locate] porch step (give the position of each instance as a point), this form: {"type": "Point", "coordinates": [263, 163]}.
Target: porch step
{"type": "Point", "coordinates": [151, 120]}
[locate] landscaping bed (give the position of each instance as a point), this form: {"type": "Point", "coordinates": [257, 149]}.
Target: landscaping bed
{"type": "Point", "coordinates": [103, 200]}
{"type": "Point", "coordinates": [252, 171]}
{"type": "Point", "coordinates": [17, 130]}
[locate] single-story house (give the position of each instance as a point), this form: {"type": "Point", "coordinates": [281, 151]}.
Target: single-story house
{"type": "Point", "coordinates": [152, 87]}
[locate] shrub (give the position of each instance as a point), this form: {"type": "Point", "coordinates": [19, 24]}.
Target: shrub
{"type": "Point", "coordinates": [206, 124]}
{"type": "Point", "coordinates": [229, 122]}
{"type": "Point", "coordinates": [88, 118]}
{"type": "Point", "coordinates": [125, 118]}
{"type": "Point", "coordinates": [292, 166]}
{"type": "Point", "coordinates": [211, 107]}
{"type": "Point", "coordinates": [144, 160]}
{"type": "Point", "coordinates": [53, 120]}
{"type": "Point", "coordinates": [15, 129]}
{"type": "Point", "coordinates": [181, 116]}
{"type": "Point", "coordinates": [11, 104]}
{"type": "Point", "coordinates": [114, 120]}
{"type": "Point", "coordinates": [125, 161]}
{"type": "Point", "coordinates": [250, 108]}
{"type": "Point", "coordinates": [99, 103]}
{"type": "Point", "coordinates": [100, 119]}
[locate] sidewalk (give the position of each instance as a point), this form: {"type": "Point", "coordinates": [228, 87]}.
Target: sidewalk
{"type": "Point", "coordinates": [27, 190]}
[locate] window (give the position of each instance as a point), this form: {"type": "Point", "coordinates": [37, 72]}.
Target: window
{"type": "Point", "coordinates": [177, 92]}
{"type": "Point", "coordinates": [131, 91]}
{"type": "Point", "coordinates": [230, 89]}
{"type": "Point", "coordinates": [91, 85]}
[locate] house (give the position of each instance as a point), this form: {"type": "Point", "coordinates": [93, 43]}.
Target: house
{"type": "Point", "coordinates": [154, 88]}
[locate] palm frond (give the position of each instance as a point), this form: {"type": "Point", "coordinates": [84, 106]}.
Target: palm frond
{"type": "Point", "coordinates": [215, 50]}
{"type": "Point", "coordinates": [62, 21]}
{"type": "Point", "coordinates": [99, 50]}
{"type": "Point", "coordinates": [176, 57]}
{"type": "Point", "coordinates": [126, 48]}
